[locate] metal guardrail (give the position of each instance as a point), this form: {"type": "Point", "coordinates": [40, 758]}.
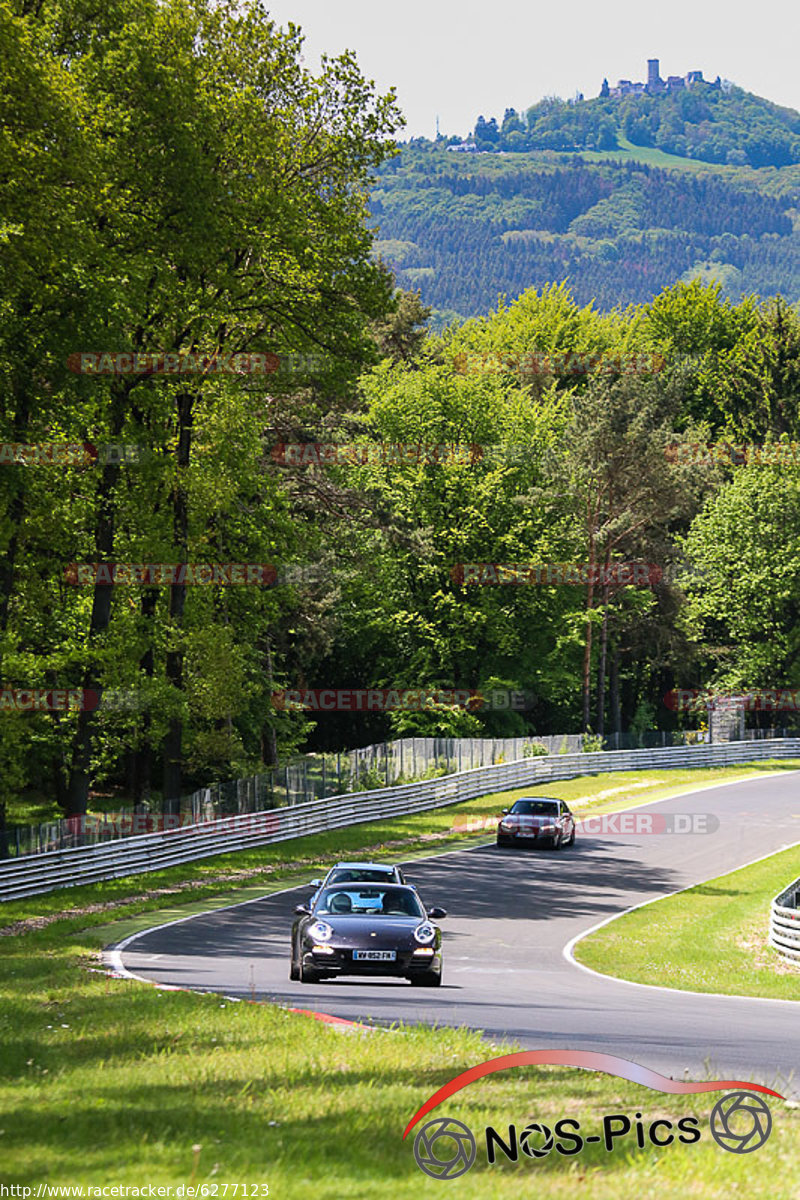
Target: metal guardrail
{"type": "Point", "coordinates": [35, 874]}
{"type": "Point", "coordinates": [784, 922]}
{"type": "Point", "coordinates": [310, 777]}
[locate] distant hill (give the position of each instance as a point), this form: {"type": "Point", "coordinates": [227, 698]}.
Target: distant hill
{"type": "Point", "coordinates": [709, 122]}
{"type": "Point", "coordinates": [618, 223]}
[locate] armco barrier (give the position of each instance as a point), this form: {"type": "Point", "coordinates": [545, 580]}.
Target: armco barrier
{"type": "Point", "coordinates": [784, 922]}
{"type": "Point", "coordinates": [33, 874]}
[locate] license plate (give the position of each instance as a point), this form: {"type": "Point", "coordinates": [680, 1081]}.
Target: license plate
{"type": "Point", "coordinates": [375, 955]}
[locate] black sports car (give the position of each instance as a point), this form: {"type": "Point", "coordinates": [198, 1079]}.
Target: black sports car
{"type": "Point", "coordinates": [537, 820]}
{"type": "Point", "coordinates": [367, 929]}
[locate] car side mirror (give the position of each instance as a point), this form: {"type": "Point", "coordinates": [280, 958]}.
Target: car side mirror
{"type": "Point", "coordinates": [437, 913]}
{"type": "Point", "coordinates": [302, 911]}
{"type": "Point", "coordinates": [315, 883]}
{"type": "Point", "coordinates": [505, 810]}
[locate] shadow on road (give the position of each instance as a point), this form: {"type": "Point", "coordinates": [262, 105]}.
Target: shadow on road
{"type": "Point", "coordinates": [591, 879]}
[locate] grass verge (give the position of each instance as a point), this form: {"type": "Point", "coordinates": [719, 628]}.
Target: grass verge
{"type": "Point", "coordinates": [106, 1081]}
{"type": "Point", "coordinates": [710, 938]}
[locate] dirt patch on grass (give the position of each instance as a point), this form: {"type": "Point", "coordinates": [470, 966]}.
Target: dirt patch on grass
{"type": "Point", "coordinates": [765, 958]}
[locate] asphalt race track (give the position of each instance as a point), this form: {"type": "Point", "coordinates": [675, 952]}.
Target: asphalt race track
{"type": "Point", "coordinates": [511, 913]}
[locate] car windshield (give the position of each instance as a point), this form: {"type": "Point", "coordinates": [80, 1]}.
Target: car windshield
{"type": "Point", "coordinates": [535, 808]}
{"type": "Point", "coordinates": [353, 874]}
{"type": "Point", "coordinates": [385, 901]}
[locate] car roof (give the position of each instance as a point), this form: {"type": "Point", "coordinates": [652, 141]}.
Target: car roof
{"type": "Point", "coordinates": [357, 883]}
{"type": "Point", "coordinates": [372, 866]}
{"type": "Point", "coordinates": [552, 798]}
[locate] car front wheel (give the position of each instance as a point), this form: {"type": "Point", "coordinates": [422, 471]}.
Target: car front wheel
{"type": "Point", "coordinates": [427, 979]}
{"type": "Point", "coordinates": [308, 974]}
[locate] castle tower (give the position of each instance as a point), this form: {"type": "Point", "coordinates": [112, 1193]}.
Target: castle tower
{"type": "Point", "coordinates": [653, 78]}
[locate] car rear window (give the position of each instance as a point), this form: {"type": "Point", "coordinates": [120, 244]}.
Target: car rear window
{"type": "Point", "coordinates": [348, 875]}
{"type": "Point", "coordinates": [535, 808]}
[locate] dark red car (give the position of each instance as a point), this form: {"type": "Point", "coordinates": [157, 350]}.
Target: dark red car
{"type": "Point", "coordinates": [539, 821]}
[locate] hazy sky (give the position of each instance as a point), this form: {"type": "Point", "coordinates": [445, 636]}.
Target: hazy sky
{"type": "Point", "coordinates": [459, 58]}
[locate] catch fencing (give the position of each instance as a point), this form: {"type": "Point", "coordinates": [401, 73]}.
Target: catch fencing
{"type": "Point", "coordinates": [301, 779]}
{"type": "Point", "coordinates": [784, 922]}
{"type": "Point", "coordinates": [35, 874]}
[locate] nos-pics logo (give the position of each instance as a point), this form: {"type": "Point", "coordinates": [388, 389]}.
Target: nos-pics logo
{"type": "Point", "coordinates": [444, 1148]}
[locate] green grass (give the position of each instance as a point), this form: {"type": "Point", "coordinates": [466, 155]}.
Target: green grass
{"type": "Point", "coordinates": [628, 152]}
{"type": "Point", "coordinates": [107, 1081]}
{"type": "Point", "coordinates": [711, 938]}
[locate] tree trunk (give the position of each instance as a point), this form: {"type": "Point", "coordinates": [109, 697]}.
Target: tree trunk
{"type": "Point", "coordinates": [16, 506]}
{"type": "Point", "coordinates": [614, 691]}
{"type": "Point", "coordinates": [269, 740]}
{"type": "Point", "coordinates": [81, 752]}
{"type": "Point", "coordinates": [173, 741]}
{"type": "Point", "coordinates": [587, 654]}
{"type": "Point", "coordinates": [142, 766]}
{"type": "Point", "coordinates": [601, 667]}
{"type": "Point", "coordinates": [79, 776]}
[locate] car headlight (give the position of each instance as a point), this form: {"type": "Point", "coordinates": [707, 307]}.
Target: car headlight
{"type": "Point", "coordinates": [506, 824]}
{"type": "Point", "coordinates": [320, 932]}
{"type": "Point", "coordinates": [424, 933]}
{"type": "Point", "coordinates": [547, 828]}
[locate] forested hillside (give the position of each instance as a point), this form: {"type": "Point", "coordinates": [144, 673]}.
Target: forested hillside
{"type": "Point", "coordinates": [465, 229]}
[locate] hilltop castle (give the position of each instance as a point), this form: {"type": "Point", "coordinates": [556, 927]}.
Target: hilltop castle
{"type": "Point", "coordinates": [655, 84]}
